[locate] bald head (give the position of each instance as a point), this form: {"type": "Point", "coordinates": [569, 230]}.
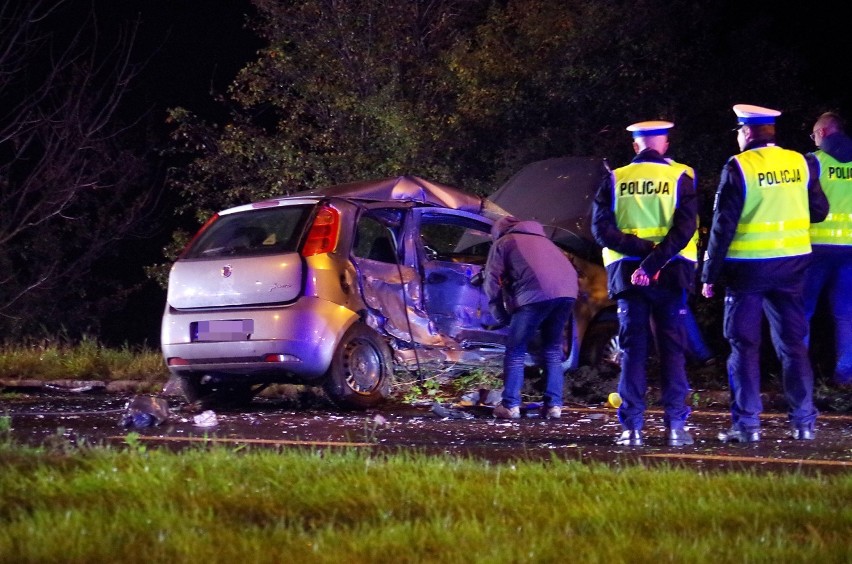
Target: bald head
{"type": "Point", "coordinates": [827, 124]}
{"type": "Point", "coordinates": [830, 123]}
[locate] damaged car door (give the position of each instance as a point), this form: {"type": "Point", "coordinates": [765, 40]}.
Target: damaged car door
{"type": "Point", "coordinates": [415, 267]}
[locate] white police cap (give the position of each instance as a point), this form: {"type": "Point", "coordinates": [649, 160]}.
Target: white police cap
{"type": "Point", "coordinates": [754, 115]}
{"type": "Point", "coordinates": [650, 128]}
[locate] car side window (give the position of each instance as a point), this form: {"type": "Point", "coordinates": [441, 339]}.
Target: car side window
{"type": "Point", "coordinates": [455, 239]}
{"type": "Point", "coordinates": [373, 241]}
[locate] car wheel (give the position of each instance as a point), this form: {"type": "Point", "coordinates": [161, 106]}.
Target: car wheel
{"type": "Point", "coordinates": [600, 345]}
{"type": "Point", "coordinates": [360, 373]}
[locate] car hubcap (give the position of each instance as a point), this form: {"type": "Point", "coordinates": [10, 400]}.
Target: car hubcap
{"type": "Point", "coordinates": [363, 367]}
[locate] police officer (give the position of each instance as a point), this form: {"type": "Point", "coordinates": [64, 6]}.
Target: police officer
{"type": "Point", "coordinates": [759, 247]}
{"type": "Point", "coordinates": [831, 267]}
{"type": "Point", "coordinates": [644, 217]}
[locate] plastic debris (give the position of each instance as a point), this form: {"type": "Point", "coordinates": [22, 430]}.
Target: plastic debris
{"type": "Point", "coordinates": [483, 396]}
{"type": "Point", "coordinates": [145, 411]}
{"type": "Point", "coordinates": [206, 419]}
{"type": "Point", "coordinates": [613, 400]}
{"type": "Point", "coordinates": [450, 412]}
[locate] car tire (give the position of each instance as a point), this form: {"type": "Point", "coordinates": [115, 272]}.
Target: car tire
{"type": "Point", "coordinates": [360, 373]}
{"type": "Point", "coordinates": [600, 345]}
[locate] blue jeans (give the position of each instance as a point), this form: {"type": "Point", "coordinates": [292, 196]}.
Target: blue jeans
{"type": "Point", "coordinates": [667, 309]}
{"type": "Point", "coordinates": [833, 274]}
{"type": "Point", "coordinates": [785, 312]}
{"type": "Point", "coordinates": [550, 317]}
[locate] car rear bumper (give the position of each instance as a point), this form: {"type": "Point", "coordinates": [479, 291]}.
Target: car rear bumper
{"type": "Point", "coordinates": [299, 339]}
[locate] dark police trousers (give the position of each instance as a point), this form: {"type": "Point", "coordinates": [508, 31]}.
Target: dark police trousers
{"type": "Point", "coordinates": [667, 308]}
{"type": "Point", "coordinates": [784, 309]}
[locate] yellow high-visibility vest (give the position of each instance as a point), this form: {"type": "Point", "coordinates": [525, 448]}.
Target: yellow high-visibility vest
{"type": "Point", "coordinates": [644, 202]}
{"type": "Point", "coordinates": [691, 173]}
{"type": "Point", "coordinates": [836, 180]}
{"type": "Point", "coordinates": [775, 218]}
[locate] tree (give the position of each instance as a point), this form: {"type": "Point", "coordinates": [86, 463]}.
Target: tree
{"type": "Point", "coordinates": [543, 78]}
{"type": "Point", "coordinates": [468, 92]}
{"type": "Point", "coordinates": [70, 188]}
{"type": "Point", "coordinates": [344, 90]}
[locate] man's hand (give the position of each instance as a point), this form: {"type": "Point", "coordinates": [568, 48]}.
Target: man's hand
{"type": "Point", "coordinates": [707, 290]}
{"type": "Point", "coordinates": [640, 277]}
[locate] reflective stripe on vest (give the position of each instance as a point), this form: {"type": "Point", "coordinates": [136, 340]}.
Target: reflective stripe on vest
{"type": "Point", "coordinates": [836, 180]}
{"type": "Point", "coordinates": [644, 202]}
{"type": "Point", "coordinates": [775, 218]}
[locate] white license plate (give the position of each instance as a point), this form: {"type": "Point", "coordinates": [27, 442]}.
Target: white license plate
{"type": "Point", "coordinates": [222, 330]}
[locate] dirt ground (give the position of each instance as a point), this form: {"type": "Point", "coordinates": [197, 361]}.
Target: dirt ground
{"type": "Point", "coordinates": [585, 433]}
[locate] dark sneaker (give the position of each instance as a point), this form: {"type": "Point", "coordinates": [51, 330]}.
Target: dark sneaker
{"type": "Point", "coordinates": [630, 437]}
{"type": "Point", "coordinates": [803, 434]}
{"type": "Point", "coordinates": [552, 412]}
{"type": "Point", "coordinates": [503, 412]}
{"type": "Point", "coordinates": [734, 435]}
{"type": "Point", "coordinates": [678, 437]}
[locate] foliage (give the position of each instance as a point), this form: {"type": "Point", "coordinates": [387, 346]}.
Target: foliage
{"type": "Point", "coordinates": [217, 505]}
{"type": "Point", "coordinates": [343, 91]}
{"type": "Point", "coordinates": [479, 378]}
{"type": "Point", "coordinates": [468, 92]}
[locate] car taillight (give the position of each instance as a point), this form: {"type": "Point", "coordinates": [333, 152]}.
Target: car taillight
{"type": "Point", "coordinates": [322, 238]}
{"type": "Point", "coordinates": [204, 227]}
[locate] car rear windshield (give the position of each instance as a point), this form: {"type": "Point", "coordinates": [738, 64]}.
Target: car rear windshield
{"type": "Point", "coordinates": [254, 232]}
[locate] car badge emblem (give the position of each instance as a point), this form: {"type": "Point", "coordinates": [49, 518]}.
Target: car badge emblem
{"type": "Point", "coordinates": [227, 271]}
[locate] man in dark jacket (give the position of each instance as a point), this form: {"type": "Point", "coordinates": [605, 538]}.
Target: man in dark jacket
{"type": "Point", "coordinates": [760, 248]}
{"type": "Point", "coordinates": [831, 268]}
{"type": "Point", "coordinates": [644, 216]}
{"type": "Point", "coordinates": [531, 285]}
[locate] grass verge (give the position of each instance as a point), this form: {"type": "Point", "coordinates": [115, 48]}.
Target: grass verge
{"type": "Point", "coordinates": [219, 505]}
{"type": "Point", "coordinates": [84, 360]}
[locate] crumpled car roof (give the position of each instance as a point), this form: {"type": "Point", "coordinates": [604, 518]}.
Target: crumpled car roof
{"type": "Point", "coordinates": [412, 188]}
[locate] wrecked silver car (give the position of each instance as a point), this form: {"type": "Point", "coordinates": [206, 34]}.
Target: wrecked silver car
{"type": "Point", "coordinates": [330, 287]}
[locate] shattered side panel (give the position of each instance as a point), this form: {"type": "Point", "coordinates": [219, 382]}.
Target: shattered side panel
{"type": "Point", "coordinates": [393, 301]}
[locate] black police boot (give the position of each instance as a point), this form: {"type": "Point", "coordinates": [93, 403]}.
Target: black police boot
{"type": "Point", "coordinates": [734, 435]}
{"type": "Point", "coordinates": [630, 437]}
{"type": "Point", "coordinates": [678, 437]}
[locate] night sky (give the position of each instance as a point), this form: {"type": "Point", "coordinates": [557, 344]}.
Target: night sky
{"type": "Point", "coordinates": [192, 47]}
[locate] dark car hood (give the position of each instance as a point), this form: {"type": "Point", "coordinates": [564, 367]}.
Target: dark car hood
{"type": "Point", "coordinates": [558, 193]}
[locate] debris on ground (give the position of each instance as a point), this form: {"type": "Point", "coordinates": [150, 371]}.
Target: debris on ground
{"type": "Point", "coordinates": [450, 412]}
{"type": "Point", "coordinates": [206, 419]}
{"type": "Point", "coordinates": [482, 396]}
{"type": "Point", "coordinates": [145, 411]}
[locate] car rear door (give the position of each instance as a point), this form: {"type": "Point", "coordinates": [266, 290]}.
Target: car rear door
{"type": "Point", "coordinates": [246, 257]}
{"type": "Point", "coordinates": [451, 248]}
